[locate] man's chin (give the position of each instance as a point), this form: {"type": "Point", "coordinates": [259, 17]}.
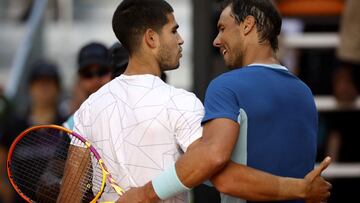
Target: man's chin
{"type": "Point", "coordinates": [167, 68]}
{"type": "Point", "coordinates": [176, 66]}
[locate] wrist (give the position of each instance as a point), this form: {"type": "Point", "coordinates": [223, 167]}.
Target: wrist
{"type": "Point", "coordinates": [302, 185]}
{"type": "Point", "coordinates": [292, 188]}
{"type": "Point", "coordinates": [168, 184]}
{"type": "Point", "coordinates": [150, 193]}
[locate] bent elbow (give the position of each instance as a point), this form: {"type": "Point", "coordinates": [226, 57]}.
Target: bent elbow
{"type": "Point", "coordinates": [221, 184]}
{"type": "Point", "coordinates": [218, 160]}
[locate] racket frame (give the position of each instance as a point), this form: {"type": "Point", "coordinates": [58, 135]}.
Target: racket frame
{"type": "Point", "coordinates": [106, 175]}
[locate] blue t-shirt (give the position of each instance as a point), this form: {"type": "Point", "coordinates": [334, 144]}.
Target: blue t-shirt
{"type": "Point", "coordinates": [277, 116]}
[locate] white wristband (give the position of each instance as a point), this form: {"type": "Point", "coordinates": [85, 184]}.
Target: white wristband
{"type": "Point", "coordinates": [167, 184]}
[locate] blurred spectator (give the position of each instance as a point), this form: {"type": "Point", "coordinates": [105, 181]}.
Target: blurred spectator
{"type": "Point", "coordinates": [44, 87]}
{"type": "Point", "coordinates": [343, 129]}
{"type": "Point", "coordinates": [343, 132]}
{"type": "Point", "coordinates": [93, 72]}
{"type": "Point", "coordinates": [44, 91]}
{"type": "Point", "coordinates": [344, 88]}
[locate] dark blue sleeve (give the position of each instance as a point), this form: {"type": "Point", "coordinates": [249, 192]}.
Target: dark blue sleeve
{"type": "Point", "coordinates": [220, 101]}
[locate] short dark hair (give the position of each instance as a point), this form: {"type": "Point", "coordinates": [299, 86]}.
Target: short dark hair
{"type": "Point", "coordinates": [267, 18]}
{"type": "Point", "coordinates": [133, 17]}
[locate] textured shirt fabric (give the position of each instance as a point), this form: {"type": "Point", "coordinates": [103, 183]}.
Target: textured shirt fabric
{"type": "Point", "coordinates": [140, 126]}
{"type": "Point", "coordinates": [277, 117]}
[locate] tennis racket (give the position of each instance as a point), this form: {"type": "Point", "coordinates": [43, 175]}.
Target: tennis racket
{"type": "Point", "coordinates": [50, 163]}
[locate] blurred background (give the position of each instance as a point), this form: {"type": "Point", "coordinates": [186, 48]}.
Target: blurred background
{"type": "Point", "coordinates": [320, 43]}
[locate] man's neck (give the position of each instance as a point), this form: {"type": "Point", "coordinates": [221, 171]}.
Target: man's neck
{"type": "Point", "coordinates": [140, 65]}
{"type": "Point", "coordinates": [262, 54]}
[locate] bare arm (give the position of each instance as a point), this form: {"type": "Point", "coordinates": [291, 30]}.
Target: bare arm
{"type": "Point", "coordinates": [76, 167]}
{"type": "Point", "coordinates": [251, 184]}
{"type": "Point", "coordinates": [210, 154]}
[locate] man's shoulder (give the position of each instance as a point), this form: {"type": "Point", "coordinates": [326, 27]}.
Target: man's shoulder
{"type": "Point", "coordinates": [184, 99]}
{"type": "Point", "coordinates": [102, 94]}
{"type": "Point", "coordinates": [225, 79]}
{"type": "Point", "coordinates": [180, 91]}
{"type": "Point", "coordinates": [230, 75]}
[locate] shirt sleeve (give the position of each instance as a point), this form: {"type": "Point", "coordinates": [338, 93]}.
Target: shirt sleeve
{"type": "Point", "coordinates": [220, 102]}
{"type": "Point", "coordinates": [69, 123]}
{"type": "Point", "coordinates": [185, 114]}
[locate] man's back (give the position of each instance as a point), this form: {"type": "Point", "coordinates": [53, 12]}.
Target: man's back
{"type": "Point", "coordinates": [141, 126]}
{"type": "Point", "coordinates": [278, 119]}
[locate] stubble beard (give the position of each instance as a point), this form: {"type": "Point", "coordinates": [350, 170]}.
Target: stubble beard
{"type": "Point", "coordinates": [236, 59]}
{"type": "Point", "coordinates": [165, 59]}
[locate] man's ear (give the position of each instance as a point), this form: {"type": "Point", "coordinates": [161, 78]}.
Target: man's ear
{"type": "Point", "coordinates": [151, 38]}
{"type": "Point", "coordinates": [249, 24]}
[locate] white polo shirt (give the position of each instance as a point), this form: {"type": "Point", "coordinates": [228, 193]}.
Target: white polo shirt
{"type": "Point", "coordinates": [140, 126]}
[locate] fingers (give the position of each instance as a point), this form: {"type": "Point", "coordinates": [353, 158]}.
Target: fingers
{"type": "Point", "coordinates": [325, 198]}
{"type": "Point", "coordinates": [323, 165]}
{"type": "Point", "coordinates": [324, 184]}
{"type": "Point", "coordinates": [328, 193]}
{"type": "Point", "coordinates": [329, 185]}
{"type": "Point", "coordinates": [319, 189]}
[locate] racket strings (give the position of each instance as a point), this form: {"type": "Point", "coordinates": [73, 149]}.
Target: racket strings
{"type": "Point", "coordinates": [36, 144]}
{"type": "Point", "coordinates": [37, 167]}
{"type": "Point", "coordinates": [38, 163]}
{"type": "Point", "coordinates": [61, 156]}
